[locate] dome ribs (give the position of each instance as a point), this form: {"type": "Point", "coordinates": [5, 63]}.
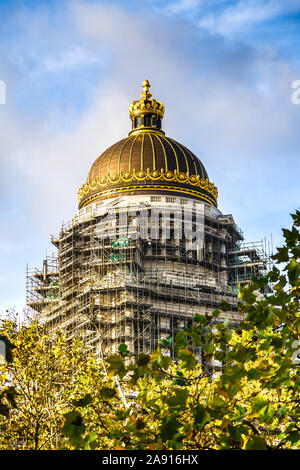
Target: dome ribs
{"type": "Point", "coordinates": [160, 154]}
{"type": "Point", "coordinates": [123, 158]}
{"type": "Point", "coordinates": [96, 167]}
{"type": "Point", "coordinates": [171, 153]}
{"type": "Point", "coordinates": [148, 153]}
{"type": "Point", "coordinates": [130, 154]}
{"type": "Point", "coordinates": [180, 154]}
{"type": "Point", "coordinates": [194, 159]}
{"type": "Point", "coordinates": [142, 152]}
{"type": "Point", "coordinates": [105, 161]}
{"type": "Point", "coordinates": [136, 154]}
{"type": "Point", "coordinates": [114, 159]}
{"type": "Point", "coordinates": [144, 162]}
{"type": "Point", "coordinates": [146, 150]}
{"type": "Point", "coordinates": [153, 152]}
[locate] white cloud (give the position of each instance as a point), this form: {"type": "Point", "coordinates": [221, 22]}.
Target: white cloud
{"type": "Point", "coordinates": [72, 58]}
{"type": "Point", "coordinates": [183, 6]}
{"type": "Point", "coordinates": [245, 14]}
{"type": "Point", "coordinates": [36, 62]}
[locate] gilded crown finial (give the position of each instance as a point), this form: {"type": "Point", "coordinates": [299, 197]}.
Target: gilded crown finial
{"type": "Point", "coordinates": [146, 94]}
{"type": "Point", "coordinates": [146, 112]}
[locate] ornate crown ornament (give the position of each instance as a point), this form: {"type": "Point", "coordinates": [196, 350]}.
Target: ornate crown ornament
{"type": "Point", "coordinates": [146, 104]}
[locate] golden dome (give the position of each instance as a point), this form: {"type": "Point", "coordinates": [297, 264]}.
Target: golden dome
{"type": "Point", "coordinates": [147, 162]}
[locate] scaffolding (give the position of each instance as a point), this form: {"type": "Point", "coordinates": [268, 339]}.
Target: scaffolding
{"type": "Point", "coordinates": [246, 260]}
{"type": "Point", "coordinates": [112, 287]}
{"type": "Point", "coordinates": [44, 288]}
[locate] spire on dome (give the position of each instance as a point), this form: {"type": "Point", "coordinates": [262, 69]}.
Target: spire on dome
{"type": "Point", "coordinates": [146, 112]}
{"type": "Point", "coordinates": [146, 93]}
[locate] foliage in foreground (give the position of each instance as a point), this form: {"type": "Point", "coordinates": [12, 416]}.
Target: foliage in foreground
{"type": "Point", "coordinates": [52, 397]}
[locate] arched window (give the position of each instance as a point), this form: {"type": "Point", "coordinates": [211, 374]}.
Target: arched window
{"type": "Point", "coordinates": [147, 121]}
{"type": "Point", "coordinates": [157, 122]}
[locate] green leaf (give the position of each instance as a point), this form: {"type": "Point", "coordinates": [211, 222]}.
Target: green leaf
{"type": "Point", "coordinates": [293, 269]}
{"type": "Point", "coordinates": [143, 360]}
{"type": "Point", "coordinates": [209, 348]}
{"type": "Point", "coordinates": [282, 255]}
{"type": "Point", "coordinates": [179, 399]}
{"type": "Point", "coordinates": [83, 402]}
{"type": "Point", "coordinates": [223, 305]}
{"type": "Point", "coordinates": [198, 318]}
{"type": "Point", "coordinates": [256, 443]}
{"type": "Point", "coordinates": [293, 437]}
{"type": "Point", "coordinates": [232, 373]}
{"type": "Point", "coordinates": [73, 428]}
{"type": "Point", "coordinates": [247, 295]}
{"type": "Point", "coordinates": [259, 283]}
{"type": "Point", "coordinates": [116, 365]}
{"type": "Point", "coordinates": [296, 218]}
{"type": "Point", "coordinates": [188, 358]}
{"type": "Point", "coordinates": [253, 374]}
{"type": "Point", "coordinates": [107, 392]}
{"type": "Point", "coordinates": [181, 381]}
{"type": "Point", "coordinates": [201, 416]}
{"type": "Point", "coordinates": [123, 350]}
{"type": "Point", "coordinates": [273, 275]}
{"type": "Point", "coordinates": [216, 313]}
{"type": "Point", "coordinates": [236, 432]}
{"type": "Point", "coordinates": [291, 236]}
{"type": "Point", "coordinates": [217, 401]}
{"type": "Point", "coordinates": [259, 402]}
{"type": "Point", "coordinates": [167, 341]}
{"type": "Point", "coordinates": [4, 409]}
{"type": "Point", "coordinates": [10, 394]}
{"type": "Point", "coordinates": [180, 339]}
{"type": "Point", "coordinates": [169, 427]}
{"type": "Point", "coordinates": [90, 441]}
{"type": "Point", "coordinates": [166, 361]}
{"type": "Point", "coordinates": [139, 424]}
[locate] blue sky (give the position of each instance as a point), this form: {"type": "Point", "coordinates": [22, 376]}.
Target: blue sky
{"type": "Point", "coordinates": [223, 69]}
